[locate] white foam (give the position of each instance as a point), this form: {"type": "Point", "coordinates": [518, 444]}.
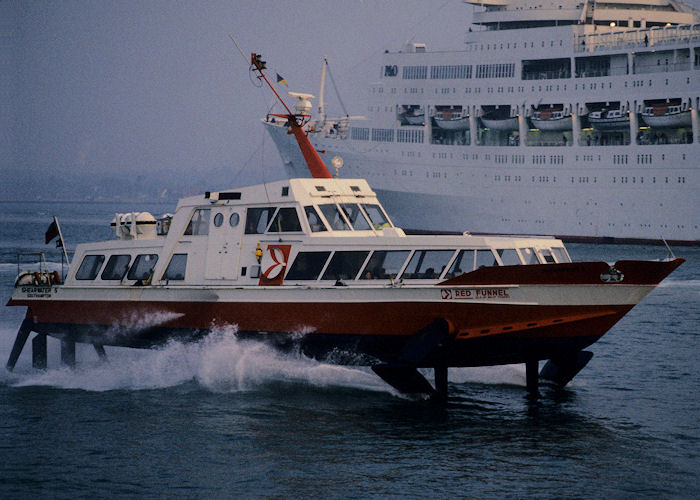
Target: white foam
{"type": "Point", "coordinates": [219, 363]}
{"type": "Point", "coordinates": [491, 375]}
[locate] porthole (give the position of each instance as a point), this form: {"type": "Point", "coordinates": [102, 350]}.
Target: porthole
{"type": "Point", "coordinates": [234, 219]}
{"type": "Point", "coordinates": [218, 220]}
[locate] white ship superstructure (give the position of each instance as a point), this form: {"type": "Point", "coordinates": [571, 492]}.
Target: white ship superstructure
{"type": "Point", "coordinates": [573, 118]}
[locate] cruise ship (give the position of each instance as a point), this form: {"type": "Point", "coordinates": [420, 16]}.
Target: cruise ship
{"type": "Point", "coordinates": [572, 118]}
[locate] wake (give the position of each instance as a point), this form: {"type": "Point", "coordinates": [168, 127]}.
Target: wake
{"type": "Point", "coordinates": [220, 362]}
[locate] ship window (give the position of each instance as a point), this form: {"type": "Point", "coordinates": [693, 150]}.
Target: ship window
{"type": "Point", "coordinates": [307, 265]}
{"type": "Point", "coordinates": [176, 268]}
{"type": "Point", "coordinates": [384, 264]}
{"type": "Point", "coordinates": [89, 267]}
{"type": "Point", "coordinates": [142, 267]}
{"type": "Point", "coordinates": [560, 254]}
{"type": "Point", "coordinates": [484, 258]}
{"type": "Point", "coordinates": [345, 265]}
{"type": "Point", "coordinates": [286, 221]}
{"type": "Point", "coordinates": [376, 216]}
{"type": "Point", "coordinates": [257, 219]}
{"type": "Point", "coordinates": [463, 263]}
{"type": "Point", "coordinates": [334, 217]}
{"type": "Point", "coordinates": [427, 264]}
{"type": "Point", "coordinates": [354, 214]}
{"type": "Point", "coordinates": [509, 256]}
{"type": "Point", "coordinates": [315, 221]}
{"type": "Point", "coordinates": [218, 219]}
{"type": "Point", "coordinates": [529, 255]}
{"type": "Point", "coordinates": [199, 223]}
{"type": "Point", "coordinates": [234, 219]}
{"type": "Point", "coordinates": [116, 267]}
{"type": "Point", "coordinates": [548, 257]}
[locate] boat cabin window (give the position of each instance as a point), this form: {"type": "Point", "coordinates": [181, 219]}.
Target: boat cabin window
{"type": "Point", "coordinates": [142, 267]}
{"type": "Point", "coordinates": [463, 263]}
{"type": "Point", "coordinates": [286, 220]}
{"type": "Point", "coordinates": [468, 260]}
{"type": "Point", "coordinates": [332, 214]}
{"type": "Point", "coordinates": [355, 216]}
{"type": "Point", "coordinates": [547, 256]}
{"type": "Point", "coordinates": [233, 220]}
{"type": "Point", "coordinates": [376, 216]}
{"type": "Point", "coordinates": [427, 264]}
{"type": "Point", "coordinates": [199, 223]}
{"type": "Point", "coordinates": [218, 219]}
{"type": "Point", "coordinates": [89, 267]}
{"type": "Point", "coordinates": [529, 255]}
{"type": "Point", "coordinates": [116, 267]}
{"type": "Point", "coordinates": [176, 268]}
{"type": "Point", "coordinates": [384, 264]}
{"type": "Point", "coordinates": [509, 256]}
{"type": "Point", "coordinates": [257, 219]}
{"type": "Point", "coordinates": [307, 265]}
{"type": "Point", "coordinates": [315, 221]}
{"type": "Point", "coordinates": [560, 254]}
{"type": "Point", "coordinates": [484, 258]}
{"type": "Point", "coordinates": [345, 265]}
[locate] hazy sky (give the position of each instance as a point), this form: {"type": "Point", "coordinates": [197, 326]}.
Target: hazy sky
{"type": "Point", "coordinates": [126, 87]}
{"type": "Point", "coordinates": [153, 87]}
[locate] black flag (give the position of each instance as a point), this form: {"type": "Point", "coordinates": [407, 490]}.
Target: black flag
{"type": "Point", "coordinates": [51, 232]}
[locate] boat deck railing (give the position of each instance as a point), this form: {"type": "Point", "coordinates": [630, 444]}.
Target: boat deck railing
{"type": "Point", "coordinates": [646, 37]}
{"type": "Point", "coordinates": [37, 270]}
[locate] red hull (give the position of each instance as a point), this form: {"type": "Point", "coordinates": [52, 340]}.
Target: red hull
{"type": "Point", "coordinates": [482, 334]}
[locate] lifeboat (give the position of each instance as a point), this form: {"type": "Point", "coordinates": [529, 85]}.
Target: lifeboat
{"type": "Point", "coordinates": [609, 120]}
{"type": "Point", "coordinates": [551, 120]}
{"type": "Point", "coordinates": [667, 117]}
{"type": "Point", "coordinates": [414, 117]}
{"type": "Point", "coordinates": [321, 256]}
{"type": "Point", "coordinates": [499, 120]}
{"type": "Point", "coordinates": [451, 120]}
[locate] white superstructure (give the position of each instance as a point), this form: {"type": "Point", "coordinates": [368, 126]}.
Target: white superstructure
{"type": "Point", "coordinates": [574, 118]}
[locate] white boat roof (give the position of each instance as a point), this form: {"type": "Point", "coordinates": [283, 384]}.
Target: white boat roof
{"type": "Point", "coordinates": [302, 190]}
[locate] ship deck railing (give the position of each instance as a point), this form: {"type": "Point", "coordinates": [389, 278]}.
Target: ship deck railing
{"type": "Point", "coordinates": [46, 272]}
{"type": "Point", "coordinates": [645, 37]}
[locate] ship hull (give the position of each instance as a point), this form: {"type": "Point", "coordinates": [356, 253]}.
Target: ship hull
{"type": "Point", "coordinates": [553, 309]}
{"type": "Point", "coordinates": [367, 331]}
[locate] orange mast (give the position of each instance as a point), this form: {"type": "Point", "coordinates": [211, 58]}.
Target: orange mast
{"type": "Point", "coordinates": [313, 160]}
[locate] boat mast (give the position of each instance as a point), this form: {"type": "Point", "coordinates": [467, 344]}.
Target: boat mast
{"type": "Point", "coordinates": [321, 106]}
{"type": "Point", "coordinates": [296, 121]}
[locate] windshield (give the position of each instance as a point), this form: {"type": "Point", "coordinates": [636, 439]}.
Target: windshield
{"type": "Point", "coordinates": [376, 216]}
{"type": "Point", "coordinates": [356, 217]}
{"type": "Point", "coordinates": [334, 217]}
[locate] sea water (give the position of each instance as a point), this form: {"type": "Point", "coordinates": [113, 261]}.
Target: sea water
{"type": "Point", "coordinates": [225, 417]}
